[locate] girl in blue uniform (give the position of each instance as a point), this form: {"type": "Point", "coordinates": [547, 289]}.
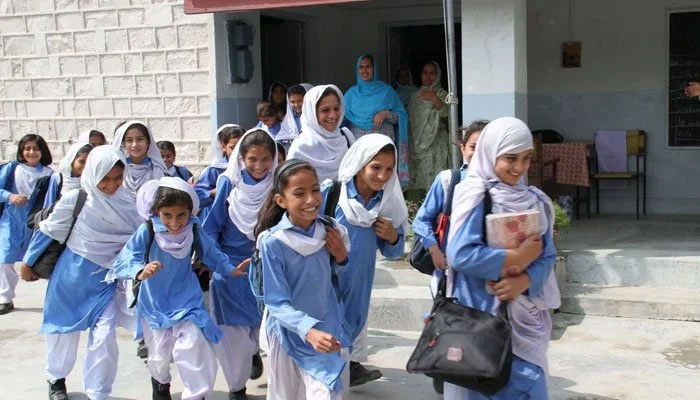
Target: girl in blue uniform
{"type": "Point", "coordinates": [17, 180]}
{"type": "Point", "coordinates": [482, 276]}
{"type": "Point", "coordinates": [427, 216]}
{"type": "Point", "coordinates": [167, 152]}
{"type": "Point", "coordinates": [67, 177]}
{"type": "Point", "coordinates": [173, 319]}
{"type": "Point", "coordinates": [291, 124]}
{"type": "Point", "coordinates": [137, 143]}
{"type": "Point", "coordinates": [299, 255]}
{"type": "Point", "coordinates": [240, 193]}
{"type": "Point", "coordinates": [82, 291]}
{"type": "Point", "coordinates": [371, 206]}
{"type": "Point", "coordinates": [225, 140]}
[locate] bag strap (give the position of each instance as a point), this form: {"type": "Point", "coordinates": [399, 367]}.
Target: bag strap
{"type": "Point", "coordinates": [454, 181]}
{"type": "Point", "coordinates": [331, 203]}
{"type": "Point", "coordinates": [82, 198]}
{"type": "Point", "coordinates": [345, 135]}
{"type": "Point", "coordinates": [151, 236]}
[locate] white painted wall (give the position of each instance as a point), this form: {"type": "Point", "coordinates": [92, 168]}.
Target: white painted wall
{"type": "Point", "coordinates": [67, 66]}
{"type": "Point", "coordinates": [621, 85]}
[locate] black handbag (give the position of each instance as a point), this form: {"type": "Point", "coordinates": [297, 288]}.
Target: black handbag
{"type": "Point", "coordinates": [419, 257]}
{"type": "Point", "coordinates": [464, 346]}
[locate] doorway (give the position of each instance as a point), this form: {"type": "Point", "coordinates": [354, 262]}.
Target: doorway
{"type": "Point", "coordinates": [282, 51]}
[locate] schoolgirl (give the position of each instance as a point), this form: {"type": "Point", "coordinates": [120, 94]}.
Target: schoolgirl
{"type": "Point", "coordinates": [137, 143]}
{"type": "Point", "coordinates": [291, 124]}
{"type": "Point", "coordinates": [93, 137]}
{"type": "Point", "coordinates": [170, 306]}
{"type": "Point", "coordinates": [482, 276]}
{"type": "Point", "coordinates": [17, 180]}
{"type": "Point", "coordinates": [67, 177]}
{"type": "Point", "coordinates": [300, 254]}
{"type": "Point", "coordinates": [82, 292]}
{"type": "Point", "coordinates": [372, 208]}
{"type": "Point", "coordinates": [277, 95]}
{"type": "Point", "coordinates": [225, 140]}
{"type": "Point", "coordinates": [241, 191]}
{"type": "Point", "coordinates": [322, 143]}
{"type": "Point", "coordinates": [167, 152]}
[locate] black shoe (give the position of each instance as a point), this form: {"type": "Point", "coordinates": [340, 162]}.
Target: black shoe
{"type": "Point", "coordinates": [142, 350]}
{"type": "Point", "coordinates": [6, 308]}
{"type": "Point", "coordinates": [57, 390]}
{"type": "Point", "coordinates": [257, 370]}
{"type": "Point", "coordinates": [239, 395]}
{"type": "Point", "coordinates": [438, 385]}
{"type": "Point", "coordinates": [161, 391]}
{"type": "Point", "coordinates": [359, 375]}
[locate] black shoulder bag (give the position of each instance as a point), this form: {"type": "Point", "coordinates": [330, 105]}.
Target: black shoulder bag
{"type": "Point", "coordinates": [464, 346]}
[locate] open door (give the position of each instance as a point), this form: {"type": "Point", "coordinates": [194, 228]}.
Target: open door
{"type": "Point", "coordinates": [283, 56]}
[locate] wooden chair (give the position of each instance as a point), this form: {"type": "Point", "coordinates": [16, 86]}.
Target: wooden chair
{"type": "Point", "coordinates": [536, 174]}
{"type": "Point", "coordinates": [636, 147]}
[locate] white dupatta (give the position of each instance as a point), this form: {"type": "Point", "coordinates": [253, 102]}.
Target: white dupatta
{"type": "Point", "coordinates": [138, 174]}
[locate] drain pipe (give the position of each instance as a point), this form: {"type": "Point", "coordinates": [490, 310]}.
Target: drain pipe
{"type": "Point", "coordinates": [452, 100]}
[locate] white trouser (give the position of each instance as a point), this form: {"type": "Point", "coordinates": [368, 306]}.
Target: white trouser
{"type": "Point", "coordinates": [101, 355]}
{"type": "Point", "coordinates": [126, 317]}
{"type": "Point", "coordinates": [235, 353]}
{"type": "Point", "coordinates": [8, 283]}
{"type": "Point", "coordinates": [285, 380]}
{"type": "Point", "coordinates": [359, 347]}
{"type": "Point", "coordinates": [191, 352]}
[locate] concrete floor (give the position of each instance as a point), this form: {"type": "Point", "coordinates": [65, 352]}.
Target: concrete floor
{"type": "Point", "coordinates": [591, 358]}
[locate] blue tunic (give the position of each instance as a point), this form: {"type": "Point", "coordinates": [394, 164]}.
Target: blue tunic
{"type": "Point", "coordinates": [425, 222]}
{"type": "Point", "coordinates": [356, 284]}
{"type": "Point", "coordinates": [52, 193]}
{"type": "Point", "coordinates": [299, 296]}
{"type": "Point", "coordinates": [173, 294]}
{"type": "Point", "coordinates": [233, 300]}
{"type": "Point", "coordinates": [475, 264]}
{"type": "Point", "coordinates": [14, 234]}
{"type": "Point", "coordinates": [274, 129]}
{"type": "Point", "coordinates": [205, 183]}
{"type": "Point", "coordinates": [182, 173]}
{"type": "Point", "coordinates": [77, 293]}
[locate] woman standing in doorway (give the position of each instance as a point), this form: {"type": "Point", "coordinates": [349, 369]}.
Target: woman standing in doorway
{"type": "Point", "coordinates": [372, 106]}
{"type": "Point", "coordinates": [430, 147]}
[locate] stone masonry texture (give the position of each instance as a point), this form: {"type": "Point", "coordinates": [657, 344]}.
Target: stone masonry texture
{"type": "Point", "coordinates": [67, 66]}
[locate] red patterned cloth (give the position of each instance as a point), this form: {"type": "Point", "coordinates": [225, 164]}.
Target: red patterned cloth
{"type": "Point", "coordinates": [572, 168]}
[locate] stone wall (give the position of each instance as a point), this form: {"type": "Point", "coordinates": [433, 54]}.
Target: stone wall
{"type": "Point", "coordinates": [67, 66]}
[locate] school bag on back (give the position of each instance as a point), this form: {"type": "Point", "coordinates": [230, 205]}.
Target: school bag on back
{"type": "Point", "coordinates": [37, 198]}
{"type": "Point", "coordinates": [46, 262]}
{"type": "Point", "coordinates": [255, 269]}
{"type": "Point", "coordinates": [420, 256]}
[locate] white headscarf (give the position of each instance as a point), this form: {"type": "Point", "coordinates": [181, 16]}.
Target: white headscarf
{"type": "Point", "coordinates": [246, 200]}
{"type": "Point", "coordinates": [138, 174]}
{"type": "Point", "coordinates": [65, 168]}
{"type": "Point", "coordinates": [392, 205]}
{"type": "Point", "coordinates": [306, 86]}
{"type": "Point", "coordinates": [179, 245]}
{"type": "Point", "coordinates": [288, 128]}
{"type": "Point", "coordinates": [218, 159]}
{"type": "Point", "coordinates": [26, 177]}
{"type": "Point", "coordinates": [305, 245]}
{"type": "Point", "coordinates": [105, 223]}
{"type": "Point", "coordinates": [323, 149]}
{"type": "Point", "coordinates": [529, 316]}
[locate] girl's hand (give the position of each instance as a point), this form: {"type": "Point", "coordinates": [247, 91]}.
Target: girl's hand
{"type": "Point", "coordinates": [241, 269]}
{"type": "Point", "coordinates": [438, 257]}
{"type": "Point", "coordinates": [212, 193]}
{"type": "Point", "coordinates": [27, 273]}
{"type": "Point", "coordinates": [335, 245]}
{"type": "Point", "coordinates": [530, 249]}
{"type": "Point", "coordinates": [512, 271]}
{"type": "Point", "coordinates": [149, 270]}
{"type": "Point", "coordinates": [379, 118]}
{"type": "Point", "coordinates": [508, 289]}
{"type": "Point", "coordinates": [322, 342]}
{"type": "Point", "coordinates": [18, 199]}
{"type": "Point", "coordinates": [386, 231]}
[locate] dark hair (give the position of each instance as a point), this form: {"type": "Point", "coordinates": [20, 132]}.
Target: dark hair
{"type": "Point", "coordinates": [94, 133]}
{"type": "Point", "coordinates": [296, 89]}
{"type": "Point", "coordinates": [119, 164]}
{"type": "Point", "coordinates": [329, 91]}
{"type": "Point", "coordinates": [467, 132]}
{"type": "Point", "coordinates": [368, 57]}
{"type": "Point", "coordinates": [388, 148]}
{"type": "Point", "coordinates": [168, 197]}
{"type": "Point", "coordinates": [83, 150]}
{"type": "Point", "coordinates": [267, 109]}
{"type": "Point", "coordinates": [166, 145]}
{"type": "Point", "coordinates": [46, 158]}
{"type": "Point", "coordinates": [139, 127]}
{"type": "Point", "coordinates": [271, 213]}
{"type": "Point", "coordinates": [257, 138]}
{"type": "Point", "coordinates": [281, 150]}
{"type": "Point", "coordinates": [228, 133]}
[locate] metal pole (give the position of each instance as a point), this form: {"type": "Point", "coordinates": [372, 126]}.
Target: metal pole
{"type": "Point", "coordinates": [452, 81]}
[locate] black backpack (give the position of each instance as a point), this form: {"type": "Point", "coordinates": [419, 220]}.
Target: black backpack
{"type": "Point", "coordinates": [255, 269]}
{"type": "Point", "coordinates": [419, 258]}
{"type": "Point", "coordinates": [136, 284]}
{"type": "Point", "coordinates": [46, 262]}
{"type": "Point", "coordinates": [37, 198]}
